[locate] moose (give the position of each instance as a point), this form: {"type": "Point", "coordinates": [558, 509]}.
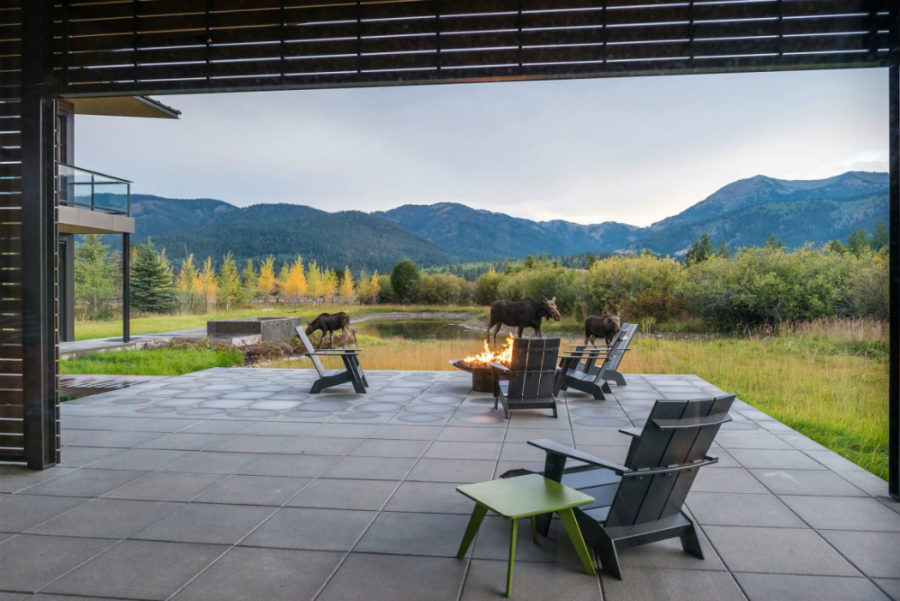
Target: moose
{"type": "Point", "coordinates": [605, 326]}
{"type": "Point", "coordinates": [329, 322]}
{"type": "Point", "coordinates": [525, 313]}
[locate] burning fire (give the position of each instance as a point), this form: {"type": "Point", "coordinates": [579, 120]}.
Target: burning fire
{"type": "Point", "coordinates": [487, 356]}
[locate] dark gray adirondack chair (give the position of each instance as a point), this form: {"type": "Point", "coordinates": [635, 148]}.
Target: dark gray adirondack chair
{"type": "Point", "coordinates": [530, 380]}
{"type": "Point", "coordinates": [641, 502]}
{"type": "Point", "coordinates": [617, 352]}
{"type": "Point", "coordinates": [581, 371]}
{"type": "Point", "coordinates": [352, 372]}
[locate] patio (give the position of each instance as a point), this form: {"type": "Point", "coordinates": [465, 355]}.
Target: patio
{"type": "Point", "coordinates": [236, 484]}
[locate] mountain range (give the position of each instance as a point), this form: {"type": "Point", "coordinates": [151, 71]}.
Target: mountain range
{"type": "Point", "coordinates": [742, 213]}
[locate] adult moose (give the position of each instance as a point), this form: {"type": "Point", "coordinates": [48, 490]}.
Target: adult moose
{"type": "Point", "coordinates": [525, 313]}
{"type": "Point", "coordinates": [605, 326]}
{"type": "Point", "coordinates": [329, 322]}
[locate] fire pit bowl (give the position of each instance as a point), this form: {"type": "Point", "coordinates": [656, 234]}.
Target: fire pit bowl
{"type": "Point", "coordinates": [482, 381]}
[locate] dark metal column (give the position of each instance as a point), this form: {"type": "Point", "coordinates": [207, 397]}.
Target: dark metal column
{"type": "Point", "coordinates": [39, 245]}
{"type": "Point", "coordinates": [894, 382]}
{"type": "Point", "coordinates": [126, 287]}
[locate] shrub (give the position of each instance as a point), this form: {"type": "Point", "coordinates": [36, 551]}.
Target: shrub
{"type": "Point", "coordinates": [638, 287]}
{"type": "Point", "coordinates": [767, 286]}
{"type": "Point", "coordinates": [443, 289]}
{"type": "Point", "coordinates": [487, 287]}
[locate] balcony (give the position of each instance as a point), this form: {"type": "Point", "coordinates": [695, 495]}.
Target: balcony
{"type": "Point", "coordinates": [90, 202]}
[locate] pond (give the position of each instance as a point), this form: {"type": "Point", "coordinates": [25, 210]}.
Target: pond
{"type": "Point", "coordinates": [419, 329]}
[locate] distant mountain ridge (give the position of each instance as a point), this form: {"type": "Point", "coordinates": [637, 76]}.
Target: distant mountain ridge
{"type": "Point", "coordinates": [742, 213]}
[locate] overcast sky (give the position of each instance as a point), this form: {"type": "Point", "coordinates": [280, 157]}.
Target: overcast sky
{"type": "Point", "coordinates": [626, 149]}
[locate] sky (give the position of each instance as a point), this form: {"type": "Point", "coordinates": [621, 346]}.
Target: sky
{"type": "Point", "coordinates": [634, 150]}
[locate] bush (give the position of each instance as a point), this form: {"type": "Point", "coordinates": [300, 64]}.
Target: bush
{"type": "Point", "coordinates": [869, 293]}
{"type": "Point", "coordinates": [768, 285]}
{"type": "Point", "coordinates": [444, 289]}
{"type": "Point", "coordinates": [487, 287]}
{"type": "Point", "coordinates": [385, 290]}
{"type": "Point", "coordinates": [636, 286]}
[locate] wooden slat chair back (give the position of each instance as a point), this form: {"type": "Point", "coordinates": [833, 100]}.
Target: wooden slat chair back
{"type": "Point", "coordinates": [311, 351]}
{"type": "Point", "coordinates": [352, 372]}
{"type": "Point", "coordinates": [677, 434]}
{"type": "Point", "coordinates": [530, 380]}
{"type": "Point", "coordinates": [617, 353]}
{"type": "Point", "coordinates": [532, 369]}
{"type": "Point", "coordinates": [641, 502]}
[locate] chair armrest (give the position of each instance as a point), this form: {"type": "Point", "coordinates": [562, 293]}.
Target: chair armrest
{"type": "Point", "coordinates": [336, 352]}
{"type": "Point", "coordinates": [670, 469]}
{"type": "Point", "coordinates": [636, 432]}
{"type": "Point", "coordinates": [500, 367]}
{"type": "Point", "coordinates": [691, 422]}
{"type": "Point", "coordinates": [559, 449]}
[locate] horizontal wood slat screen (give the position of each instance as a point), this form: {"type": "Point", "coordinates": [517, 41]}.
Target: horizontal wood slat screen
{"type": "Point", "coordinates": [12, 411]}
{"type": "Point", "coordinates": [105, 47]}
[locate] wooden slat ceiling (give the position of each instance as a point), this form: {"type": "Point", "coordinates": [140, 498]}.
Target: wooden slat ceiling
{"type": "Point", "coordinates": [106, 47]}
{"type": "Point", "coordinates": [12, 411]}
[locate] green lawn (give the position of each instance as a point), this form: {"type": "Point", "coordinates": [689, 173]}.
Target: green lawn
{"type": "Point", "coordinates": [153, 362]}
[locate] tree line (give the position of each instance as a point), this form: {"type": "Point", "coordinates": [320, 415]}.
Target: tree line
{"type": "Point", "coordinates": [753, 286]}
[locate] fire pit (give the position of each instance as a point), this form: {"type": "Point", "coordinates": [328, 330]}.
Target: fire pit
{"type": "Point", "coordinates": [480, 365]}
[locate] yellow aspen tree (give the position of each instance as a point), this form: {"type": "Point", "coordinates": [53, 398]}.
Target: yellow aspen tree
{"type": "Point", "coordinates": [266, 281]}
{"type": "Point", "coordinates": [187, 282]}
{"type": "Point", "coordinates": [313, 280]}
{"type": "Point", "coordinates": [346, 291]}
{"type": "Point", "coordinates": [208, 286]}
{"type": "Point", "coordinates": [329, 284]}
{"type": "Point", "coordinates": [296, 285]}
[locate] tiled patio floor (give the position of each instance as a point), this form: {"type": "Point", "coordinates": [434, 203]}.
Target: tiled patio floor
{"type": "Point", "coordinates": [234, 484]}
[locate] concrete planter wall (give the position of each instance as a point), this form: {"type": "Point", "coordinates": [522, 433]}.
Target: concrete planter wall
{"type": "Point", "coordinates": [252, 329]}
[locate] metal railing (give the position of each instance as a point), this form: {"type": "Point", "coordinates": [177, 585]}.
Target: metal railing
{"type": "Point", "coordinates": [77, 187]}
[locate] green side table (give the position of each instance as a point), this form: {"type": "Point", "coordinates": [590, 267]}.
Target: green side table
{"type": "Point", "coordinates": [525, 497]}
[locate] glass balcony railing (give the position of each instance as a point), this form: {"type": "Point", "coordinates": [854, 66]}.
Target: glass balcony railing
{"type": "Point", "coordinates": [91, 190]}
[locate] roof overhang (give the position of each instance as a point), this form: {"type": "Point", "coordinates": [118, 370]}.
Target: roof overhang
{"type": "Point", "coordinates": [123, 106]}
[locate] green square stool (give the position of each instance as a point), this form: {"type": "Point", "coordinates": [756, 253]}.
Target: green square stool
{"type": "Point", "coordinates": [525, 497]}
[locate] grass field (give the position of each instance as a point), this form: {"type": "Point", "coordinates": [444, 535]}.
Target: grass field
{"type": "Point", "coordinates": [146, 324]}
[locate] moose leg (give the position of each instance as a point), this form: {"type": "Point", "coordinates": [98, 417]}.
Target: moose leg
{"type": "Point", "coordinates": [537, 332]}
{"type": "Point", "coordinates": [521, 329]}
{"type": "Point", "coordinates": [496, 331]}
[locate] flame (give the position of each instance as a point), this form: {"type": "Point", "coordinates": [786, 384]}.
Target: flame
{"type": "Point", "coordinates": [487, 356]}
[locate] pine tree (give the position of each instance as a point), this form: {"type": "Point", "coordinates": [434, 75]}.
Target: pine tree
{"type": "Point", "coordinates": [188, 283]}
{"type": "Point", "coordinates": [95, 278]}
{"type": "Point", "coordinates": [346, 289]}
{"type": "Point", "coordinates": [152, 286]}
{"type": "Point", "coordinates": [228, 292]}
{"type": "Point", "coordinates": [701, 250]}
{"type": "Point", "coordinates": [249, 279]}
{"type": "Point", "coordinates": [266, 281]}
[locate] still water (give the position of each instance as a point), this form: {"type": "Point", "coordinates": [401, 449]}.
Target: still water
{"type": "Point", "coordinates": [419, 329]}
